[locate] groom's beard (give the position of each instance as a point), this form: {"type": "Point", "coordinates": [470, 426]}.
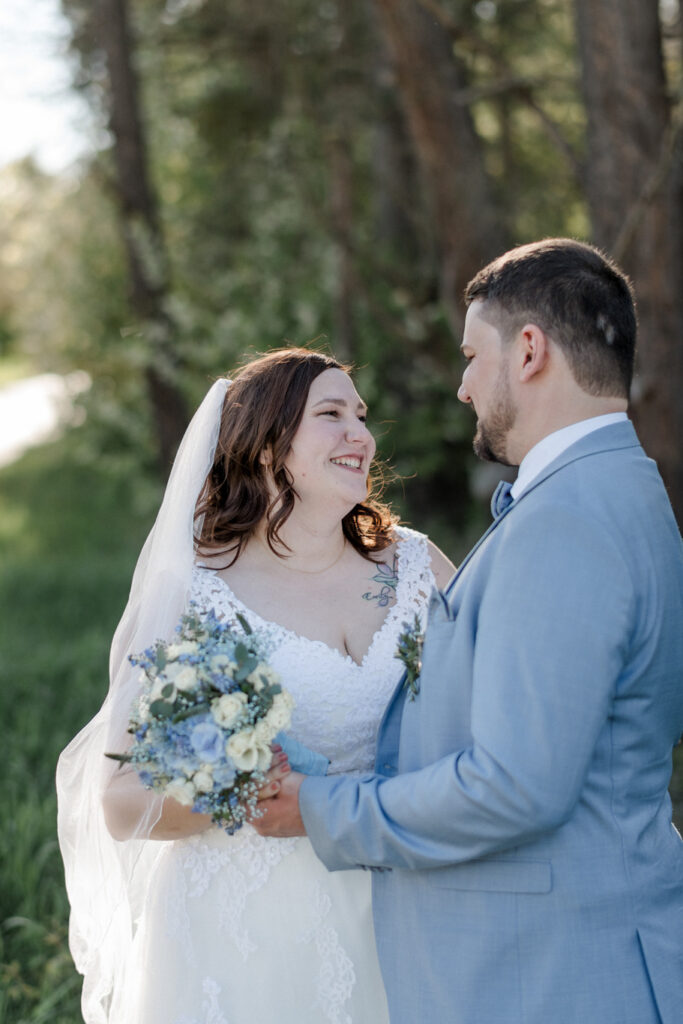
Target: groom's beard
{"type": "Point", "coordinates": [490, 440]}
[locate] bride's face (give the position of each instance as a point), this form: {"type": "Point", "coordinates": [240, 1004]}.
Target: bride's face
{"type": "Point", "coordinates": [332, 449]}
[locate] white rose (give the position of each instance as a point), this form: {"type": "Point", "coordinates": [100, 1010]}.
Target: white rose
{"type": "Point", "coordinates": [264, 732]}
{"type": "Point", "coordinates": [181, 790]}
{"type": "Point", "coordinates": [187, 678]}
{"type": "Point", "coordinates": [278, 718]}
{"type": "Point", "coordinates": [174, 651]}
{"type": "Point", "coordinates": [227, 709]}
{"type": "Point", "coordinates": [203, 779]}
{"type": "Point", "coordinates": [246, 752]}
{"type": "Point", "coordinates": [263, 674]}
{"type": "Point", "coordinates": [222, 663]}
{"type": "Point", "coordinates": [283, 699]}
{"type": "Point", "coordinates": [280, 714]}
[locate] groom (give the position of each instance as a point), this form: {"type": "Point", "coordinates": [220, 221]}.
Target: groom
{"type": "Point", "coordinates": [527, 871]}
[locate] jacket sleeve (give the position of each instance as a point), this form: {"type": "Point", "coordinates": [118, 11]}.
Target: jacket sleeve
{"type": "Point", "coordinates": [553, 632]}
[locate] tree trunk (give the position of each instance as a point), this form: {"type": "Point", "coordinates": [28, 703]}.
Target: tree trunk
{"type": "Point", "coordinates": [341, 219]}
{"type": "Point", "coordinates": [395, 168]}
{"type": "Point", "coordinates": [145, 252]}
{"type": "Point", "coordinates": [431, 81]}
{"type": "Point", "coordinates": [635, 198]}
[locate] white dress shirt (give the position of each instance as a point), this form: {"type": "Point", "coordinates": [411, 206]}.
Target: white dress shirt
{"type": "Point", "coordinates": [543, 453]}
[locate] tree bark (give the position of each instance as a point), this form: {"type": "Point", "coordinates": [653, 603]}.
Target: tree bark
{"type": "Point", "coordinates": [341, 220]}
{"type": "Point", "coordinates": [430, 79]}
{"type": "Point", "coordinates": [634, 188]}
{"type": "Point", "coordinates": [144, 244]}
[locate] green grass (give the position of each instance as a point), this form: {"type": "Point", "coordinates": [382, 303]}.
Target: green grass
{"type": "Point", "coordinates": [69, 537]}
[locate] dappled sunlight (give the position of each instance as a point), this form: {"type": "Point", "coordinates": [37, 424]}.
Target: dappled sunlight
{"type": "Point", "coordinates": [37, 409]}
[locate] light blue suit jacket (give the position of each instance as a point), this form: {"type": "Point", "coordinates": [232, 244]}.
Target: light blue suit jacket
{"type": "Point", "coordinates": [520, 810]}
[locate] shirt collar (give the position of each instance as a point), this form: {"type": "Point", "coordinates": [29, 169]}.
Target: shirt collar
{"type": "Point", "coordinates": [547, 449]}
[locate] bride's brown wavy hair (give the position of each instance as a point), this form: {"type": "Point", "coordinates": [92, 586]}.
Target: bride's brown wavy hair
{"type": "Point", "coordinates": [262, 410]}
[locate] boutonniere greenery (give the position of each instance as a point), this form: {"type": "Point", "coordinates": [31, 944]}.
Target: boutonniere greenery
{"type": "Point", "coordinates": [409, 652]}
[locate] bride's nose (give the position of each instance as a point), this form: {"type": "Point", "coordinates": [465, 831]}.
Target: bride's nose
{"type": "Point", "coordinates": [357, 432]}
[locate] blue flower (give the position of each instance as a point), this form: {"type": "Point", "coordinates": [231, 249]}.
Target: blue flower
{"type": "Point", "coordinates": [207, 741]}
{"type": "Point", "coordinates": [224, 775]}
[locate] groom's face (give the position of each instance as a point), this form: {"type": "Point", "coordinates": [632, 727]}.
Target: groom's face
{"type": "Point", "coordinates": [486, 385]}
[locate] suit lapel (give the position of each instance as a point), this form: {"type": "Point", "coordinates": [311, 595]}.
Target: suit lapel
{"type": "Point", "coordinates": [610, 438]}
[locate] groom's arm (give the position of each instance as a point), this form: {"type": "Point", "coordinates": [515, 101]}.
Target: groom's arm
{"type": "Point", "coordinates": [552, 634]}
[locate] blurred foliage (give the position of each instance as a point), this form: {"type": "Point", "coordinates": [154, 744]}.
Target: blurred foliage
{"type": "Point", "coordinates": [65, 577]}
{"type": "Point", "coordinates": [244, 105]}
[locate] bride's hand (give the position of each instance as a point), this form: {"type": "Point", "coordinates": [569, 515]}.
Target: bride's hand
{"type": "Point", "coordinates": [282, 816]}
{"type": "Point", "coordinates": [279, 768]}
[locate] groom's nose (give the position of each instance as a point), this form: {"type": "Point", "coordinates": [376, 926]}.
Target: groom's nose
{"type": "Point", "coordinates": [463, 394]}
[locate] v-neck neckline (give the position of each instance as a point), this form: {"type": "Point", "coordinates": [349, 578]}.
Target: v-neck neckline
{"type": "Point", "coordinates": [348, 658]}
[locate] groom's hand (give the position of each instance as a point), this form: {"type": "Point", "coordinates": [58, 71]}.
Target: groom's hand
{"type": "Point", "coordinates": [281, 815]}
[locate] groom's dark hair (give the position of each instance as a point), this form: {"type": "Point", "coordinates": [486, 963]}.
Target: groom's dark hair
{"type": "Point", "coordinates": [574, 293]}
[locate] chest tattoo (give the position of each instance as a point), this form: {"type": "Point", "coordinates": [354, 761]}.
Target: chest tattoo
{"type": "Point", "coordinates": [386, 579]}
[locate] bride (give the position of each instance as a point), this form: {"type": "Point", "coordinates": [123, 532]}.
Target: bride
{"type": "Point", "coordinates": [266, 513]}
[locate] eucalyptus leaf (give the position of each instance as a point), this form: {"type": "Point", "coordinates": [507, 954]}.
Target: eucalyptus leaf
{"type": "Point", "coordinates": [161, 709]}
{"type": "Point", "coordinates": [244, 624]}
{"type": "Point", "coordinates": [246, 668]}
{"type": "Point", "coordinates": [199, 709]}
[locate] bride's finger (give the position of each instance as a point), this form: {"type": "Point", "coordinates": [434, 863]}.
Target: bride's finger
{"type": "Point", "coordinates": [269, 790]}
{"type": "Point", "coordinates": [273, 777]}
{"type": "Point", "coordinates": [279, 758]}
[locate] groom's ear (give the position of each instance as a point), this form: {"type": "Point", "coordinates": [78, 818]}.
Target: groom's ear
{"type": "Point", "coordinates": [533, 351]}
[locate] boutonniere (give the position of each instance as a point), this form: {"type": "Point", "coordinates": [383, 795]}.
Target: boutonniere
{"type": "Point", "coordinates": [409, 652]}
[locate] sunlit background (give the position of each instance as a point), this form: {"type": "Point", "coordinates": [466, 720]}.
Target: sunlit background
{"type": "Point", "coordinates": [299, 186]}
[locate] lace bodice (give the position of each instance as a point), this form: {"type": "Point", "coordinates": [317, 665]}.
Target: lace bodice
{"type": "Point", "coordinates": [339, 702]}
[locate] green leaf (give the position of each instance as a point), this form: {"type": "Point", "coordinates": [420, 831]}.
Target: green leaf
{"type": "Point", "coordinates": [245, 668]}
{"type": "Point", "coordinates": [198, 709]}
{"type": "Point", "coordinates": [161, 709]}
{"type": "Point", "coordinates": [244, 624]}
{"type": "Point", "coordinates": [241, 653]}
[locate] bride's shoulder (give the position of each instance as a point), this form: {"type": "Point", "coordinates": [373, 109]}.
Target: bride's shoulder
{"type": "Point", "coordinates": [415, 545]}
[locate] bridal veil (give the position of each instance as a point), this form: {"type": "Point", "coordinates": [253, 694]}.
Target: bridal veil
{"type": "Point", "coordinates": [106, 879]}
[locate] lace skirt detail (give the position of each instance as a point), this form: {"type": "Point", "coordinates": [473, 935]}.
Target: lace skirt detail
{"type": "Point", "coordinates": [242, 929]}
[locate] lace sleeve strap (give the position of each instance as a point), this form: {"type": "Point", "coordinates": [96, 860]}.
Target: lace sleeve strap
{"type": "Point", "coordinates": [415, 577]}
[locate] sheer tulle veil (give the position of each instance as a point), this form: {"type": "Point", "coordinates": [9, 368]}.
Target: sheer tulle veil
{"type": "Point", "coordinates": [105, 879]}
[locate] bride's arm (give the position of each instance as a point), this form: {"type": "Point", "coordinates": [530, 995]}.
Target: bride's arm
{"type": "Point", "coordinates": [441, 565]}
{"type": "Point", "coordinates": [130, 810]}
{"type": "Point", "coordinates": [133, 812]}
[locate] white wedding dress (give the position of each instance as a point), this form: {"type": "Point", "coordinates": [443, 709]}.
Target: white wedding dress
{"type": "Point", "coordinates": [245, 929]}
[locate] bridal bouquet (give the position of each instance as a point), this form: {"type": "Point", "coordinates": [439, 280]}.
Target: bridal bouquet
{"type": "Point", "coordinates": [209, 709]}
